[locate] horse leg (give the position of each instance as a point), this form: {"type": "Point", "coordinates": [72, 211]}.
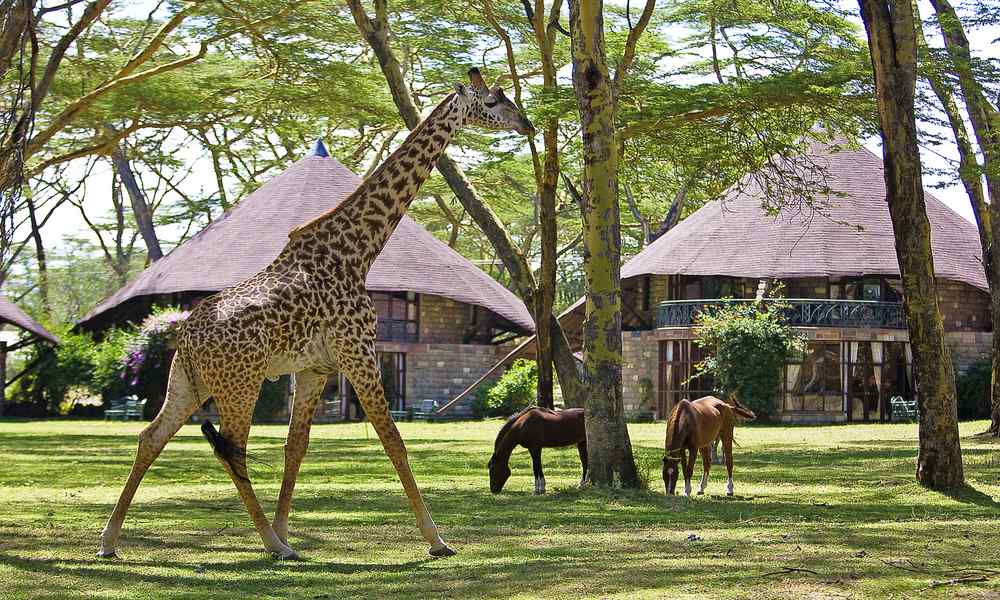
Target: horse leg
{"type": "Point", "coordinates": [706, 464]}
{"type": "Point", "coordinates": [536, 465]}
{"type": "Point", "coordinates": [688, 471]}
{"type": "Point", "coordinates": [727, 449]}
{"type": "Point", "coordinates": [715, 452]}
{"type": "Point", "coordinates": [582, 449]}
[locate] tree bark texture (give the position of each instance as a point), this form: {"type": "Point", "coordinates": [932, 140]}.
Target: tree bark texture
{"type": "Point", "coordinates": [140, 209]}
{"type": "Point", "coordinates": [892, 40]}
{"type": "Point", "coordinates": [610, 461]}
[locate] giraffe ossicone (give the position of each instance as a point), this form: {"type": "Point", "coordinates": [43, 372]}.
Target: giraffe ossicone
{"type": "Point", "coordinates": [308, 314]}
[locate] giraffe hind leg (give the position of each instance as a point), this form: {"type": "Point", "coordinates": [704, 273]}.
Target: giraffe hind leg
{"type": "Point", "coordinates": [181, 401]}
{"type": "Point", "coordinates": [308, 387]}
{"type": "Point", "coordinates": [359, 363]}
{"type": "Point", "coordinates": [235, 413]}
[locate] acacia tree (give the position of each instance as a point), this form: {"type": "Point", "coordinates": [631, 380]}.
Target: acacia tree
{"type": "Point", "coordinates": [375, 31]}
{"type": "Point", "coordinates": [892, 40]}
{"type": "Point", "coordinates": [985, 120]}
{"type": "Point", "coordinates": [609, 449]}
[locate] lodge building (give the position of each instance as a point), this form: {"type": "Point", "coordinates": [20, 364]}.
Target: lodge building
{"type": "Point", "coordinates": [840, 277]}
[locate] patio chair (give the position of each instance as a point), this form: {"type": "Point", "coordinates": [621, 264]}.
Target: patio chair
{"type": "Point", "coordinates": [903, 410]}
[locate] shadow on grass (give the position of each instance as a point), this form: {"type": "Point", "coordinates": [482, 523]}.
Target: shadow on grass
{"type": "Point", "coordinates": [970, 495]}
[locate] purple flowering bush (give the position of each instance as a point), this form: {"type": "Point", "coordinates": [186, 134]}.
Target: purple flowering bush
{"type": "Point", "coordinates": [137, 360]}
{"type": "Point", "coordinates": [149, 347]}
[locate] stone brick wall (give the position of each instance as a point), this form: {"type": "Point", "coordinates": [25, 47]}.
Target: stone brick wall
{"type": "Point", "coordinates": [964, 307]}
{"type": "Point", "coordinates": [968, 347]}
{"type": "Point", "coordinates": [640, 359]}
{"type": "Point", "coordinates": [441, 371]}
{"type": "Point", "coordinates": [442, 320]}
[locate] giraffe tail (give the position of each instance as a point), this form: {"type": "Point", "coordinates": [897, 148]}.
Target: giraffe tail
{"type": "Point", "coordinates": [233, 456]}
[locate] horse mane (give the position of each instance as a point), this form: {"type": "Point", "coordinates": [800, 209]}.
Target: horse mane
{"type": "Point", "coordinates": [677, 424]}
{"type": "Point", "coordinates": [510, 423]}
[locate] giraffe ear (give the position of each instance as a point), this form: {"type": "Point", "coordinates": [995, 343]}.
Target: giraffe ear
{"type": "Point", "coordinates": [461, 89]}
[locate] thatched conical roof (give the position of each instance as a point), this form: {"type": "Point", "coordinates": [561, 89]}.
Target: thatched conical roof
{"type": "Point", "coordinates": [735, 237]}
{"type": "Point", "coordinates": [10, 313]}
{"type": "Point", "coordinates": [250, 235]}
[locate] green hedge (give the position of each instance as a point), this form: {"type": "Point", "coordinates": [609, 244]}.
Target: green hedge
{"type": "Point", "coordinates": [516, 389]}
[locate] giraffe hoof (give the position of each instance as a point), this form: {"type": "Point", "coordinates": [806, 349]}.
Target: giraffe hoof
{"type": "Point", "coordinates": [441, 551]}
{"type": "Point", "coordinates": [287, 554]}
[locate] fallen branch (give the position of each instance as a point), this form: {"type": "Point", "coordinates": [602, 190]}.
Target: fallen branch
{"type": "Point", "coordinates": [787, 570]}
{"type": "Point", "coordinates": [963, 579]}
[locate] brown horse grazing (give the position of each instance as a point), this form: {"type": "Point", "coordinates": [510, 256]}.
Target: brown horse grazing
{"type": "Point", "coordinates": [536, 428]}
{"type": "Point", "coordinates": [693, 426]}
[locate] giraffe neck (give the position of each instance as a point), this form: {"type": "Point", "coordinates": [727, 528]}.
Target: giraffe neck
{"type": "Point", "coordinates": [356, 230]}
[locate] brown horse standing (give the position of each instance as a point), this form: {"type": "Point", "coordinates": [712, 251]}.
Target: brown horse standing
{"type": "Point", "coordinates": [536, 428]}
{"type": "Point", "coordinates": [693, 426]}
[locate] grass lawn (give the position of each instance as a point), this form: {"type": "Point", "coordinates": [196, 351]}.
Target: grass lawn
{"type": "Point", "coordinates": [840, 501]}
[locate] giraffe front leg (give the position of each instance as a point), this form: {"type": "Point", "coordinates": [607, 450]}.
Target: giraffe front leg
{"type": "Point", "coordinates": [359, 364]}
{"type": "Point", "coordinates": [307, 390]}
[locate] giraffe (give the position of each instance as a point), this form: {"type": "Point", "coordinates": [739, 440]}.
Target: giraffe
{"type": "Point", "coordinates": [308, 314]}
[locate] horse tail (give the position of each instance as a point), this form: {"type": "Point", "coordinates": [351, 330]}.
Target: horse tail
{"type": "Point", "coordinates": [510, 423]}
{"type": "Point", "coordinates": [678, 423]}
{"type": "Point", "coordinates": [741, 410]}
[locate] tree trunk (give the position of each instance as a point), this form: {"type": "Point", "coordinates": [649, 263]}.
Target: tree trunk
{"type": "Point", "coordinates": [376, 33]}
{"type": "Point", "coordinates": [892, 39]}
{"type": "Point", "coordinates": [43, 270]}
{"type": "Point", "coordinates": [609, 450]}
{"type": "Point", "coordinates": [140, 209]}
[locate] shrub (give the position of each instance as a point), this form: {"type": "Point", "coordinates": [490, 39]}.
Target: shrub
{"type": "Point", "coordinates": [746, 344]}
{"type": "Point", "coordinates": [973, 387]}
{"type": "Point", "coordinates": [144, 358]}
{"type": "Point", "coordinates": [126, 361]}
{"type": "Point", "coordinates": [58, 370]}
{"type": "Point", "coordinates": [516, 389]}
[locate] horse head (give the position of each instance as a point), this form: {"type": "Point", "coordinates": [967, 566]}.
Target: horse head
{"type": "Point", "coordinates": [499, 474]}
{"type": "Point", "coordinates": [671, 465]}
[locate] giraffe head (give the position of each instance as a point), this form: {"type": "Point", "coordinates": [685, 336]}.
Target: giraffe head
{"type": "Point", "coordinates": [489, 108]}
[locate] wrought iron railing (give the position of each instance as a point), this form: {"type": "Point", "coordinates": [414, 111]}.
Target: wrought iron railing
{"type": "Point", "coordinates": [806, 312]}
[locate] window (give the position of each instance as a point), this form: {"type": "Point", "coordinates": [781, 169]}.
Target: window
{"type": "Point", "coordinates": [864, 372]}
{"type": "Point", "coordinates": [343, 399]}
{"type": "Point", "coordinates": [678, 360]}
{"type": "Point", "coordinates": [812, 380]}
{"type": "Point", "coordinates": [398, 316]}
{"type": "Point", "coordinates": [392, 366]}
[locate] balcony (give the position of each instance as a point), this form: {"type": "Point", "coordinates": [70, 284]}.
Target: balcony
{"type": "Point", "coordinates": [800, 312]}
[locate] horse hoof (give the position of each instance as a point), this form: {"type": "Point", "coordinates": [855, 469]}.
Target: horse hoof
{"type": "Point", "coordinates": [102, 553]}
{"type": "Point", "coordinates": [729, 493]}
{"type": "Point", "coordinates": [701, 492]}
{"type": "Point", "coordinates": [441, 551]}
